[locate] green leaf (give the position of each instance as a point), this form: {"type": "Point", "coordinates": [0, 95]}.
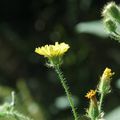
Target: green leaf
{"type": "Point", "coordinates": [92, 27]}
{"type": "Point", "coordinates": [113, 115]}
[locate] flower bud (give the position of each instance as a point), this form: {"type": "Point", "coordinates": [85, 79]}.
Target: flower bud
{"type": "Point", "coordinates": [110, 25]}
{"type": "Point", "coordinates": [104, 85]}
{"type": "Point", "coordinates": [112, 10]}
{"type": "Point", "coordinates": [93, 111]}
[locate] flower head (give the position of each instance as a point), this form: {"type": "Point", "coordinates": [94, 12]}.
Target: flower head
{"type": "Point", "coordinates": [50, 51]}
{"type": "Point", "coordinates": [90, 94]}
{"type": "Point", "coordinates": [54, 53]}
{"type": "Point", "coordinates": [107, 74]}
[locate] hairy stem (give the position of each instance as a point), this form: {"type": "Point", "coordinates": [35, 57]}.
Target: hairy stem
{"type": "Point", "coordinates": [66, 88]}
{"type": "Point", "coordinates": [101, 101]}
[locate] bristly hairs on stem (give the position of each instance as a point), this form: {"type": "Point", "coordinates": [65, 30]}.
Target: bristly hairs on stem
{"type": "Point", "coordinates": [67, 91]}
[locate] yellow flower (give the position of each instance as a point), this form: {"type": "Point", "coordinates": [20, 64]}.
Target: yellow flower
{"type": "Point", "coordinates": [51, 51]}
{"type": "Point", "coordinates": [107, 74]}
{"type": "Point", "coordinates": [91, 94]}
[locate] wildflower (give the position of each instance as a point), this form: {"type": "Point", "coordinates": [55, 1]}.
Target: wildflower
{"type": "Point", "coordinates": [53, 52]}
{"type": "Point", "coordinates": [92, 111]}
{"type": "Point", "coordinates": [104, 85]}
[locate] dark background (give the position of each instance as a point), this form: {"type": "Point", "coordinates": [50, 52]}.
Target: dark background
{"type": "Point", "coordinates": [25, 25]}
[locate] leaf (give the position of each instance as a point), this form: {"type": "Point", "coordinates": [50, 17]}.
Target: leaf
{"type": "Point", "coordinates": [92, 27]}
{"type": "Point", "coordinates": [113, 115]}
{"type": "Point", "coordinates": [63, 103]}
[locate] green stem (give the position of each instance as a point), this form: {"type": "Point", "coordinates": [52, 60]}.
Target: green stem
{"type": "Point", "coordinates": [101, 101]}
{"type": "Point", "coordinates": [66, 88]}
{"type": "Point", "coordinates": [19, 116]}
{"type": "Point", "coordinates": [15, 114]}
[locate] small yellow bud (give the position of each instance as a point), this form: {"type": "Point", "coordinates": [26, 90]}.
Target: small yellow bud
{"type": "Point", "coordinates": [104, 85]}
{"type": "Point", "coordinates": [90, 94]}
{"type": "Point", "coordinates": [107, 74]}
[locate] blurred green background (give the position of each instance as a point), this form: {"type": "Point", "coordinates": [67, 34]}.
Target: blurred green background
{"type": "Point", "coordinates": [25, 25]}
